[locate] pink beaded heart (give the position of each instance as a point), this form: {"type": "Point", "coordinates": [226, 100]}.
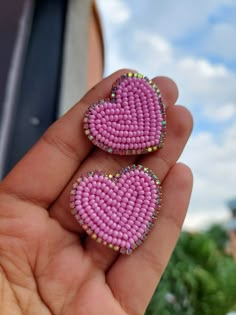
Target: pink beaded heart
{"type": "Point", "coordinates": [117, 210]}
{"type": "Point", "coordinates": [132, 121]}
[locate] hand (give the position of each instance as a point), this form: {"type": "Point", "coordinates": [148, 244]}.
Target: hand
{"type": "Point", "coordinates": [47, 265]}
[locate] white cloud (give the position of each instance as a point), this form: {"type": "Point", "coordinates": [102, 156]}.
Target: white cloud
{"type": "Point", "coordinates": [219, 40]}
{"type": "Point", "coordinates": [115, 11]}
{"type": "Point", "coordinates": [222, 113]}
{"type": "Point", "coordinates": [155, 43]}
{"type": "Point", "coordinates": [199, 81]}
{"type": "Point", "coordinates": [212, 160]}
{"type": "Point", "coordinates": [169, 18]}
{"type": "Point", "coordinates": [203, 67]}
{"type": "Point", "coordinates": [201, 220]}
{"type": "Point", "coordinates": [204, 83]}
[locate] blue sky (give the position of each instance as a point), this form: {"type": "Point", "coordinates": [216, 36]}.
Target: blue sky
{"type": "Point", "coordinates": [193, 42]}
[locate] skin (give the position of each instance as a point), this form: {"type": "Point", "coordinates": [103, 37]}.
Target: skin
{"type": "Point", "coordinates": [95, 51]}
{"type": "Point", "coordinates": [47, 264]}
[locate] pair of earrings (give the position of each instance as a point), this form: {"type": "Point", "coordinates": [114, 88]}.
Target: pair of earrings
{"type": "Point", "coordinates": [119, 210]}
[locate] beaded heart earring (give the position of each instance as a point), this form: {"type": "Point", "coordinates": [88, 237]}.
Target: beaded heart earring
{"type": "Point", "coordinates": [117, 210]}
{"type": "Point", "coordinates": [132, 121]}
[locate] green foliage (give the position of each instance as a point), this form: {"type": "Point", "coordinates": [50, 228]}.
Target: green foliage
{"type": "Point", "coordinates": [200, 278]}
{"type": "Point", "coordinates": [218, 235]}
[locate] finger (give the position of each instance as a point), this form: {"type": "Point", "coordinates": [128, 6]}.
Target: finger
{"type": "Point", "coordinates": [100, 160]}
{"type": "Point", "coordinates": [146, 265]}
{"type": "Point", "coordinates": [169, 90]}
{"type": "Point", "coordinates": [43, 173]}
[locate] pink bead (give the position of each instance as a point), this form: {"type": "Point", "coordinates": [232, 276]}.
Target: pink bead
{"type": "Point", "coordinates": [123, 243]}
{"type": "Point", "coordinates": [127, 245]}
{"type": "Point", "coordinates": [131, 241]}
{"type": "Point", "coordinates": [125, 236]}
{"type": "Point", "coordinates": [101, 233]}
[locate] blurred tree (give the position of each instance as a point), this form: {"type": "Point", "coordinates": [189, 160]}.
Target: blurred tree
{"type": "Point", "coordinates": [200, 278]}
{"type": "Point", "coordinates": [219, 235]}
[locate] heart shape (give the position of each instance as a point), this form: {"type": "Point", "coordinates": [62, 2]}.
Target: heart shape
{"type": "Point", "coordinates": [131, 121]}
{"type": "Point", "coordinates": [117, 210]}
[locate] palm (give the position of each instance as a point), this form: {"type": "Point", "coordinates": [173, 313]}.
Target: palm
{"type": "Point", "coordinates": [47, 263]}
{"type": "Point", "coordinates": [66, 278]}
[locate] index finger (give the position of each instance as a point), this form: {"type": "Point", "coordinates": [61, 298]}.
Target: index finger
{"type": "Point", "coordinates": [45, 170]}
